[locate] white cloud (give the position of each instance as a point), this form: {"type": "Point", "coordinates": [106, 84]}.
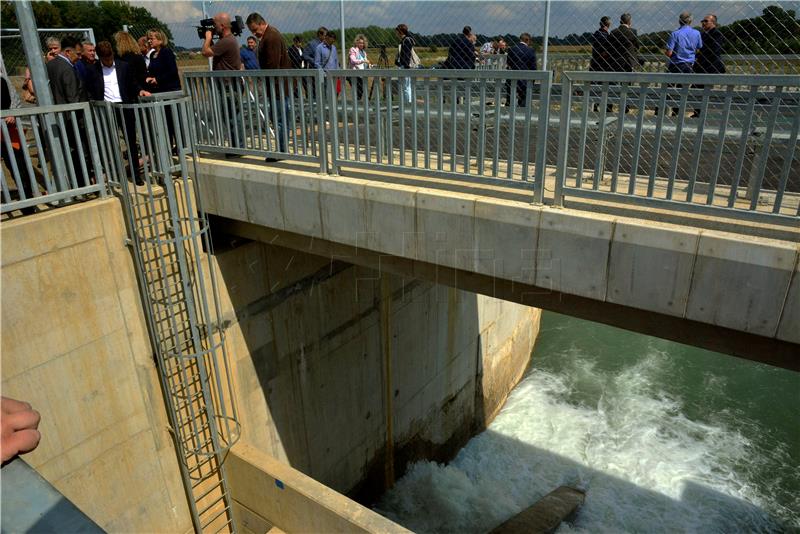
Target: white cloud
{"type": "Point", "coordinates": [171, 11]}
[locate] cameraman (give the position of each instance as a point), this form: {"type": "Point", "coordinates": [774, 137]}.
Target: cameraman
{"type": "Point", "coordinates": [225, 54]}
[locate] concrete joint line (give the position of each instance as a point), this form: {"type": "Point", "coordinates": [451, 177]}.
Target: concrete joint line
{"type": "Point", "coordinates": [691, 275]}
{"type": "Point", "coordinates": [608, 257]}
{"type": "Point", "coordinates": [536, 252]}
{"type": "Point", "coordinates": [792, 275]}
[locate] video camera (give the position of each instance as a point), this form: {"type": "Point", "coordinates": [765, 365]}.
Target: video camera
{"type": "Point", "coordinates": [237, 25]}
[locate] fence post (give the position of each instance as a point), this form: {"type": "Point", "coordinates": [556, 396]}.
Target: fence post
{"type": "Point", "coordinates": [343, 42]}
{"type": "Point", "coordinates": [319, 78]}
{"type": "Point", "coordinates": [546, 33]}
{"type": "Point", "coordinates": [541, 139]}
{"type": "Point", "coordinates": [563, 140]}
{"type": "Point", "coordinates": [33, 53]}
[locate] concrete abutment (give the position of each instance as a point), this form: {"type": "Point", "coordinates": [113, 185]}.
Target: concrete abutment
{"type": "Point", "coordinates": [306, 337]}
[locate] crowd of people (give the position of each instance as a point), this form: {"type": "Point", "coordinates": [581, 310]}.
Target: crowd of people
{"type": "Point", "coordinates": [128, 69]}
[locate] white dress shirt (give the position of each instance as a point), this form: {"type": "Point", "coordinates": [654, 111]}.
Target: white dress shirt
{"type": "Point", "coordinates": [111, 92]}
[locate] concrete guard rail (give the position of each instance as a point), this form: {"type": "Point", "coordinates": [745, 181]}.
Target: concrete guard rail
{"type": "Point", "coordinates": [52, 154]}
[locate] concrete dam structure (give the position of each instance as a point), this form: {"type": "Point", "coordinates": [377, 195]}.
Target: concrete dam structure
{"type": "Point", "coordinates": [342, 372]}
{"type": "Point", "coordinates": [216, 344]}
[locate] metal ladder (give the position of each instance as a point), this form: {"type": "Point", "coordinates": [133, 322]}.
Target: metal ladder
{"type": "Point", "coordinates": [169, 237]}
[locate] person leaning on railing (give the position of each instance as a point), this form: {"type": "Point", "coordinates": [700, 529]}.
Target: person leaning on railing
{"type": "Point", "coordinates": [272, 54]}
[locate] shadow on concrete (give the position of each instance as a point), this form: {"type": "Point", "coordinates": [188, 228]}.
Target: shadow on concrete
{"type": "Point", "coordinates": [310, 371]}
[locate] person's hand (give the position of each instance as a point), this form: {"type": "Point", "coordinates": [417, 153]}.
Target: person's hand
{"type": "Point", "coordinates": [11, 120]}
{"type": "Point", "coordinates": [19, 422]}
{"type": "Point", "coordinates": [209, 35]}
{"type": "Point", "coordinates": [151, 80]}
{"type": "Point", "coordinates": [144, 93]}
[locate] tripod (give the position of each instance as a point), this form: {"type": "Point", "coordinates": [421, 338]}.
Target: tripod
{"type": "Point", "coordinates": [383, 63]}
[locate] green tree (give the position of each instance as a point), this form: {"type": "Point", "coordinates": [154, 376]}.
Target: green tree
{"type": "Point", "coordinates": [104, 18]}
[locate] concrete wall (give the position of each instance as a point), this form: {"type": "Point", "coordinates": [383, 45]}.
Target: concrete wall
{"type": "Point", "coordinates": [306, 335]}
{"type": "Point", "coordinates": [263, 487]}
{"type": "Point", "coordinates": [707, 278]}
{"type": "Point", "coordinates": [75, 346]}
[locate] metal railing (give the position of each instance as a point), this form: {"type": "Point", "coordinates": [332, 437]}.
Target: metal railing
{"type": "Point", "coordinates": [730, 145]}
{"type": "Point", "coordinates": [654, 63]}
{"type": "Point", "coordinates": [473, 125]}
{"type": "Point", "coordinates": [52, 154]}
{"type": "Point", "coordinates": [276, 113]}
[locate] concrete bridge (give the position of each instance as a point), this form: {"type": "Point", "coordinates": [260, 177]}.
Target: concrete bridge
{"type": "Point", "coordinates": [686, 280]}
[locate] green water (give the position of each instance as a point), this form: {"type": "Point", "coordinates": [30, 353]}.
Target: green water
{"type": "Point", "coordinates": [661, 436]}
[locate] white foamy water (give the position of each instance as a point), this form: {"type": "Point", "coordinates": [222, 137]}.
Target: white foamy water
{"type": "Point", "coordinates": [644, 465]}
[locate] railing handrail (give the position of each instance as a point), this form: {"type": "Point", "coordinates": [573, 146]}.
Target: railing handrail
{"type": "Point", "coordinates": [534, 75]}
{"type": "Point", "coordinates": [653, 56]}
{"type": "Point", "coordinates": [41, 110]}
{"type": "Point", "coordinates": [664, 77]}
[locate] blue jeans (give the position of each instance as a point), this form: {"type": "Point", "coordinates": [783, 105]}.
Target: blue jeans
{"type": "Point", "coordinates": [407, 89]}
{"type": "Point", "coordinates": [281, 128]}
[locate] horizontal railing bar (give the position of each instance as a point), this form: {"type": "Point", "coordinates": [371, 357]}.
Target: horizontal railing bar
{"type": "Point", "coordinates": [690, 207]}
{"type": "Point", "coordinates": [712, 79]}
{"type": "Point", "coordinates": [41, 110]}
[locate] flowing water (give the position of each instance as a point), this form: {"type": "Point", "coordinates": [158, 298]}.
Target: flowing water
{"type": "Point", "coordinates": [661, 436]}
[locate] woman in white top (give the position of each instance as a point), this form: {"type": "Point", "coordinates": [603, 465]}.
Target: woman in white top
{"type": "Point", "coordinates": [358, 60]}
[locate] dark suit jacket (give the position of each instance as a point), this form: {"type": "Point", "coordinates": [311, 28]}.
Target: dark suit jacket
{"type": "Point", "coordinates": [128, 88]}
{"type": "Point", "coordinates": [600, 52]}
{"type": "Point", "coordinates": [164, 69]}
{"type": "Point", "coordinates": [521, 57]}
{"type": "Point", "coordinates": [461, 54]}
{"type": "Point", "coordinates": [296, 57]}
{"type": "Point", "coordinates": [65, 83]}
{"type": "Point", "coordinates": [623, 46]}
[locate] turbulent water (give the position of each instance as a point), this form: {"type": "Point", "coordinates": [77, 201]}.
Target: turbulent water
{"type": "Point", "coordinates": [662, 437]}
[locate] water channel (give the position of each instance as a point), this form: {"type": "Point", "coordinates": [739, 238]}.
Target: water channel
{"type": "Point", "coordinates": [661, 436]}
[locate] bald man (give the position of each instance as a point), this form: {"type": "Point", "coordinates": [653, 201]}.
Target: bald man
{"type": "Point", "coordinates": [225, 54]}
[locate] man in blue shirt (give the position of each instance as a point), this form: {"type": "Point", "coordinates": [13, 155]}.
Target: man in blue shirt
{"type": "Point", "coordinates": [682, 45]}
{"type": "Point", "coordinates": [325, 55]}
{"type": "Point", "coordinates": [248, 54]}
{"type": "Point", "coordinates": [681, 48]}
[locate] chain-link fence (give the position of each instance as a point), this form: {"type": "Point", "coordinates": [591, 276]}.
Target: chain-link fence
{"type": "Point", "coordinates": [14, 54]}
{"type": "Point", "coordinates": [759, 37]}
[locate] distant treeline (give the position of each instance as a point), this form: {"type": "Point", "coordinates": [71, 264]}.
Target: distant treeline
{"type": "Point", "coordinates": [775, 31]}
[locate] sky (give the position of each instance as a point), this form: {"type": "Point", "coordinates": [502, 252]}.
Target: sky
{"type": "Point", "coordinates": [429, 17]}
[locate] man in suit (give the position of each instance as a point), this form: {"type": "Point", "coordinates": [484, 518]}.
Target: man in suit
{"type": "Point", "coordinates": [461, 54]}
{"type": "Point", "coordinates": [623, 46]}
{"type": "Point", "coordinates": [65, 83]}
{"type": "Point", "coordinates": [67, 88]}
{"type": "Point", "coordinates": [522, 56]}
{"type": "Point", "coordinates": [112, 80]}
